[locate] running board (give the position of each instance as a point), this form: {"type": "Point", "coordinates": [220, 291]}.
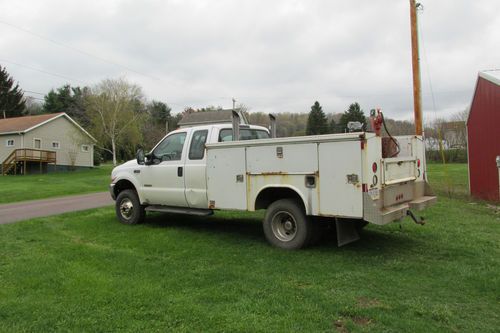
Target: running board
{"type": "Point", "coordinates": [346, 232]}
{"type": "Point", "coordinates": [180, 210]}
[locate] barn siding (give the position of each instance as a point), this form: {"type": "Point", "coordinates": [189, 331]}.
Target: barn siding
{"type": "Point", "coordinates": [483, 128]}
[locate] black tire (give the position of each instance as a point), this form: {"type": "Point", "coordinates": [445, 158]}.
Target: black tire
{"type": "Point", "coordinates": [128, 208]}
{"type": "Point", "coordinates": [286, 225]}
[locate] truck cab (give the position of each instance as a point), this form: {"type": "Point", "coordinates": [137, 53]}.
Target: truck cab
{"type": "Point", "coordinates": [173, 173]}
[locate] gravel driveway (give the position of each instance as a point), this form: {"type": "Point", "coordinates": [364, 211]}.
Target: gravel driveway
{"type": "Point", "coordinates": [25, 210]}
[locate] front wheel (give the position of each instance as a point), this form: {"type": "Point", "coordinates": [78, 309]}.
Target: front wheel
{"type": "Point", "coordinates": [286, 225]}
{"type": "Point", "coordinates": [128, 208]}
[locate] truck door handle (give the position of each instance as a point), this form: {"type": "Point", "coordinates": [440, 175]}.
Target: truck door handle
{"type": "Point", "coordinates": [179, 171]}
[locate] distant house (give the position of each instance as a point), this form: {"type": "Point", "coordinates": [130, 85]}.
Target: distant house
{"type": "Point", "coordinates": [483, 134]}
{"type": "Point", "coordinates": [35, 144]}
{"type": "Point", "coordinates": [210, 117]}
{"type": "Point", "coordinates": [454, 134]}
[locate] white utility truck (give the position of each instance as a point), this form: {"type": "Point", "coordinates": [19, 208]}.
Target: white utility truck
{"type": "Point", "coordinates": [301, 182]}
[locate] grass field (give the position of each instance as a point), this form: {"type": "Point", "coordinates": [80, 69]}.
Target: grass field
{"type": "Point", "coordinates": [31, 187]}
{"type": "Point", "coordinates": [86, 272]}
{"type": "Point", "coordinates": [451, 180]}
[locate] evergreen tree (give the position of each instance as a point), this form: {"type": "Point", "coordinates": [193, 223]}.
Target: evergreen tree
{"type": "Point", "coordinates": [70, 100]}
{"type": "Point", "coordinates": [159, 112]}
{"type": "Point", "coordinates": [354, 113]}
{"type": "Point", "coordinates": [333, 126]}
{"type": "Point", "coordinates": [12, 101]}
{"type": "Point", "coordinates": [316, 122]}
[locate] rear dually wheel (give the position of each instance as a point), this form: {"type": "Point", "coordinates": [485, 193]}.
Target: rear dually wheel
{"type": "Point", "coordinates": [286, 225]}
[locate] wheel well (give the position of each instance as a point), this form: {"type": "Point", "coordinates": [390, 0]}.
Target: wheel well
{"type": "Point", "coordinates": [122, 185]}
{"type": "Point", "coordinates": [272, 194]}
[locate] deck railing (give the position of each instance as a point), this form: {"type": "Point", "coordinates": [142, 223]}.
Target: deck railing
{"type": "Point", "coordinates": [27, 155]}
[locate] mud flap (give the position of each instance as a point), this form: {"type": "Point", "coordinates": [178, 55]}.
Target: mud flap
{"type": "Point", "coordinates": [346, 232]}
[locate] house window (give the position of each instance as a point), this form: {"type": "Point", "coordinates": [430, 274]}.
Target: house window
{"type": "Point", "coordinates": [9, 143]}
{"type": "Point", "coordinates": [56, 145]}
{"type": "Point", "coordinates": [85, 148]}
{"type": "Point", "coordinates": [37, 143]}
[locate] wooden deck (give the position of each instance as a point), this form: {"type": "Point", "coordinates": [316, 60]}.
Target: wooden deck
{"type": "Point", "coordinates": [20, 158]}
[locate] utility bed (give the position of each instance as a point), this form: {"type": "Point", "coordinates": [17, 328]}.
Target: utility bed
{"type": "Point", "coordinates": [337, 175]}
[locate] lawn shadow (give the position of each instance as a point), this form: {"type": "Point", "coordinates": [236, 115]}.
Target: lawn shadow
{"type": "Point", "coordinates": [373, 240]}
{"type": "Point", "coordinates": [249, 228]}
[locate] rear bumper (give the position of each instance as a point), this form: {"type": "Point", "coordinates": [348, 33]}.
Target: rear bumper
{"type": "Point", "coordinates": [375, 211]}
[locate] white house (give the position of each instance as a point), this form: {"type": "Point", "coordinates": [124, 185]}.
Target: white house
{"type": "Point", "coordinates": [40, 143]}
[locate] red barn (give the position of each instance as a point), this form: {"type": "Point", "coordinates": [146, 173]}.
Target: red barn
{"type": "Point", "coordinates": [483, 134]}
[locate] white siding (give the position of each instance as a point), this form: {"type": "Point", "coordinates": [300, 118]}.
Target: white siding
{"type": "Point", "coordinates": [70, 139]}
{"type": "Point", "coordinates": [4, 150]}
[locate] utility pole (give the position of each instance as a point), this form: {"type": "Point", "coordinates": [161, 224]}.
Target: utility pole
{"type": "Point", "coordinates": [417, 89]}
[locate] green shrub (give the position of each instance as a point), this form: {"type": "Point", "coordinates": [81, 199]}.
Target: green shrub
{"type": "Point", "coordinates": [450, 155]}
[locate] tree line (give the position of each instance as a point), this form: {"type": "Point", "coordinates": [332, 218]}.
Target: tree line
{"type": "Point", "coordinates": [117, 113]}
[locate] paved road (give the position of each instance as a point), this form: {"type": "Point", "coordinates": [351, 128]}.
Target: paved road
{"type": "Point", "coordinates": [19, 211]}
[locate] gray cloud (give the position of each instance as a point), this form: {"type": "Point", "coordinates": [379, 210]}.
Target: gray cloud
{"type": "Point", "coordinates": [272, 56]}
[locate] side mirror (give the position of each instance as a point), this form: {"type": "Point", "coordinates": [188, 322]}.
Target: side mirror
{"type": "Point", "coordinates": [140, 156]}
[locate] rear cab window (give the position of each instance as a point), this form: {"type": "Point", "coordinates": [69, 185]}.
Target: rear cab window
{"type": "Point", "coordinates": [226, 134]}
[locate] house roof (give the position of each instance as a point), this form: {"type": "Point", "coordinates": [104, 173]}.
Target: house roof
{"type": "Point", "coordinates": [21, 125]}
{"type": "Point", "coordinates": [492, 75]}
{"type": "Point", "coordinates": [453, 125]}
{"type": "Point", "coordinates": [209, 117]}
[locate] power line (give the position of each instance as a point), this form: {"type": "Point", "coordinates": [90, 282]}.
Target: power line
{"type": "Point", "coordinates": [34, 92]}
{"type": "Point", "coordinates": [41, 71]}
{"type": "Point", "coordinates": [88, 54]}
{"type": "Point", "coordinates": [37, 98]}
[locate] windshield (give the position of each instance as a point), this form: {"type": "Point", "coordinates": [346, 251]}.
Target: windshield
{"type": "Point", "coordinates": [170, 148]}
{"type": "Point", "coordinates": [245, 134]}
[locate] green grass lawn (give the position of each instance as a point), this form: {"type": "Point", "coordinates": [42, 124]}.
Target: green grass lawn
{"type": "Point", "coordinates": [32, 187]}
{"type": "Point", "coordinates": [449, 179]}
{"type": "Point", "coordinates": [86, 272]}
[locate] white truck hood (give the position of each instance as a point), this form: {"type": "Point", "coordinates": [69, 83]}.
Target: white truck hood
{"type": "Point", "coordinates": [124, 166]}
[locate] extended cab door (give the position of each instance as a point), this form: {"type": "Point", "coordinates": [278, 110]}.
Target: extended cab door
{"type": "Point", "coordinates": [195, 170]}
{"type": "Point", "coordinates": [163, 181]}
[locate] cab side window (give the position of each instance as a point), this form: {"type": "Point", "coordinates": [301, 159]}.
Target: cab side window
{"type": "Point", "coordinates": [170, 149]}
{"type": "Point", "coordinates": [197, 148]}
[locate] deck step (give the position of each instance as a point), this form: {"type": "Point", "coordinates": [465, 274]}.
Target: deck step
{"type": "Point", "coordinates": [422, 202]}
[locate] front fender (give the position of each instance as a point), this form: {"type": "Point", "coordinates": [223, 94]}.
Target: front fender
{"type": "Point", "coordinates": [125, 176]}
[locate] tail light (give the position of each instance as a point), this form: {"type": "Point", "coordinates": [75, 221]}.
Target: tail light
{"type": "Point", "coordinates": [418, 163]}
{"type": "Point", "coordinates": [374, 167]}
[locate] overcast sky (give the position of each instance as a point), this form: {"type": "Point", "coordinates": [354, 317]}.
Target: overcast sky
{"type": "Point", "coordinates": [272, 56]}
